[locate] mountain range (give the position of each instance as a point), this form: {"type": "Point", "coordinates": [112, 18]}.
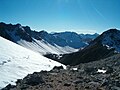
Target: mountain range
{"type": "Point", "coordinates": [23, 50]}
{"type": "Point", "coordinates": [43, 42]}
{"type": "Point", "coordinates": [68, 48]}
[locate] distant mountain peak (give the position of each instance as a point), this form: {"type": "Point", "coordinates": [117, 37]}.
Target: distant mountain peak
{"type": "Point", "coordinates": [112, 30]}
{"type": "Point", "coordinates": [109, 38]}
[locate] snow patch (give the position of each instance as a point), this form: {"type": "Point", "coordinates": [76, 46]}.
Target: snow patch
{"type": "Point", "coordinates": [75, 69]}
{"type": "Point", "coordinates": [101, 71]}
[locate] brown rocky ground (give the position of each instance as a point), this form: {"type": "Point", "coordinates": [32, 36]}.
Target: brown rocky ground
{"type": "Point", "coordinates": [86, 77]}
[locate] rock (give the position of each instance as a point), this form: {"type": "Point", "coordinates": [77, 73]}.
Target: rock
{"type": "Point", "coordinates": [67, 84]}
{"type": "Point", "coordinates": [78, 81]}
{"type": "Point", "coordinates": [87, 80]}
{"type": "Point", "coordinates": [109, 70]}
{"type": "Point", "coordinates": [58, 67]}
{"type": "Point", "coordinates": [33, 80]}
{"type": "Point", "coordinates": [117, 83]}
{"type": "Point", "coordinates": [104, 83]}
{"type": "Point", "coordinates": [68, 67]}
{"type": "Point", "coordinates": [8, 87]}
{"type": "Point", "coordinates": [18, 81]}
{"type": "Point", "coordinates": [90, 70]}
{"type": "Point", "coordinates": [23, 87]}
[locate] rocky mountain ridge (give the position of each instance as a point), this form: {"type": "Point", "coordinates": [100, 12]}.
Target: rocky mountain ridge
{"type": "Point", "coordinates": [105, 45]}
{"type": "Point", "coordinates": [44, 42]}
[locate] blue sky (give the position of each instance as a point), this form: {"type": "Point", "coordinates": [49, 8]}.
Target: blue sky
{"type": "Point", "coordinates": [82, 16]}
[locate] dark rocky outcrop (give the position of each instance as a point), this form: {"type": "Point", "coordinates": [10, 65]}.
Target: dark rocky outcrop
{"type": "Point", "coordinates": [33, 80]}
{"type": "Point", "coordinates": [58, 67]}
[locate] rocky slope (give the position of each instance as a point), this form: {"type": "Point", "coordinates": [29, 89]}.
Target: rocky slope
{"type": "Point", "coordinates": [110, 39]}
{"type": "Point", "coordinates": [105, 45]}
{"type": "Point", "coordinates": [98, 75]}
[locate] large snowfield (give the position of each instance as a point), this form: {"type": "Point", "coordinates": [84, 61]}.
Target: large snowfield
{"type": "Point", "coordinates": [16, 62]}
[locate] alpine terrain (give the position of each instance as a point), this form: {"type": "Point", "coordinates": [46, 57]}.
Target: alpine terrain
{"type": "Point", "coordinates": [43, 42]}
{"type": "Point", "coordinates": [105, 45]}
{"type": "Point", "coordinates": [16, 62]}
{"type": "Point", "coordinates": [95, 67]}
{"type": "Point", "coordinates": [92, 61]}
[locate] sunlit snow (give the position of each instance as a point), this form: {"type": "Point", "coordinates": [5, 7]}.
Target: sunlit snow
{"type": "Point", "coordinates": [16, 62]}
{"type": "Point", "coordinates": [43, 47]}
{"type": "Point", "coordinates": [101, 71]}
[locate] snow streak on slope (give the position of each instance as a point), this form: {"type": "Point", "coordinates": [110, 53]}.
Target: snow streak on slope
{"type": "Point", "coordinates": [43, 47]}
{"type": "Point", "coordinates": [16, 62]}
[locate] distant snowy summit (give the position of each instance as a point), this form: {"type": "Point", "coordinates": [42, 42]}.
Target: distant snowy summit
{"type": "Point", "coordinates": [44, 42]}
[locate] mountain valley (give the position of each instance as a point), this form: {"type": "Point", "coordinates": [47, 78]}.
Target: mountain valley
{"type": "Point", "coordinates": [58, 61]}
